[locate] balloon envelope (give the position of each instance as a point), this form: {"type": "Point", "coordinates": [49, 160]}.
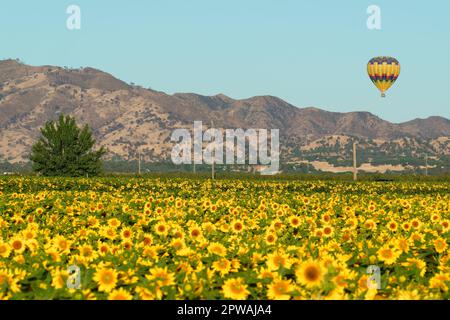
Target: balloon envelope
{"type": "Point", "coordinates": [383, 71]}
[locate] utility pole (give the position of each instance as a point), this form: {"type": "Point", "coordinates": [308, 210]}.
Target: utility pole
{"type": "Point", "coordinates": [193, 158]}
{"type": "Point", "coordinates": [307, 161]}
{"type": "Point", "coordinates": [355, 170]}
{"type": "Point", "coordinates": [213, 154]}
{"type": "Point", "coordinates": [139, 162]}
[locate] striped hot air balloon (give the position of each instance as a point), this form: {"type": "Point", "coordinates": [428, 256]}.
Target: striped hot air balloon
{"type": "Point", "coordinates": [383, 71]}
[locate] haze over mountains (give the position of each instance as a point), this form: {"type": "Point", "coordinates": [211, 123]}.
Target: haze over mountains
{"type": "Point", "coordinates": [125, 117]}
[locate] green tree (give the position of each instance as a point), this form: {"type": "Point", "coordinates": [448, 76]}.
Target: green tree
{"type": "Point", "coordinates": [64, 149]}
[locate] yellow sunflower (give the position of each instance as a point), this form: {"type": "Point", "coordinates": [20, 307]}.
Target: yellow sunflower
{"type": "Point", "coordinates": [270, 238]}
{"type": "Point", "coordinates": [120, 294]}
{"type": "Point", "coordinates": [223, 266]}
{"type": "Point", "coordinates": [237, 226]}
{"type": "Point", "coordinates": [62, 244]}
{"type": "Point", "coordinates": [439, 281]}
{"type": "Point", "coordinates": [417, 263]}
{"type": "Point", "coordinates": [87, 252]}
{"type": "Point", "coordinates": [235, 289]}
{"type": "Point", "coordinates": [294, 221]}
{"type": "Point", "coordinates": [126, 234]}
{"type": "Point", "coordinates": [161, 229]}
{"type": "Point", "coordinates": [161, 276]}
{"type": "Point", "coordinates": [280, 289]}
{"type": "Point", "coordinates": [59, 279]}
{"type": "Point", "coordinates": [5, 249]}
{"type": "Point", "coordinates": [277, 260]}
{"type": "Point", "coordinates": [388, 255]}
{"type": "Point", "coordinates": [106, 279]}
{"type": "Point", "coordinates": [402, 244]}
{"type": "Point", "coordinates": [392, 226]}
{"type": "Point", "coordinates": [195, 232]}
{"type": "Point", "coordinates": [17, 244]}
{"type": "Point", "coordinates": [218, 249]}
{"type": "Point", "coordinates": [310, 274]}
{"type": "Point", "coordinates": [114, 223]}
{"type": "Point", "coordinates": [266, 274]}
{"type": "Point", "coordinates": [327, 231]}
{"type": "Point", "coordinates": [440, 245]}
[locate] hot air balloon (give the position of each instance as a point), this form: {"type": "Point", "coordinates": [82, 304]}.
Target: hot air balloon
{"type": "Point", "coordinates": [383, 71]}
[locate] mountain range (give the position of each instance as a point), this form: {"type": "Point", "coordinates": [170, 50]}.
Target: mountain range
{"type": "Point", "coordinates": [127, 119]}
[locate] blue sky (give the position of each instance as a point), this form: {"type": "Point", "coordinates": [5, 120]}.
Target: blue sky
{"type": "Point", "coordinates": [309, 52]}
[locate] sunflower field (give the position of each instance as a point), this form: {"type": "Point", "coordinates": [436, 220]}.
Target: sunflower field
{"type": "Point", "coordinates": [173, 238]}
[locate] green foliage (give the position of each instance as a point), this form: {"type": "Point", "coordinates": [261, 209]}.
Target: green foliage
{"type": "Point", "coordinates": [66, 150]}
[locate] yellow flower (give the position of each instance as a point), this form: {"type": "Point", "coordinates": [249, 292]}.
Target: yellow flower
{"type": "Point", "coordinates": [341, 280]}
{"type": "Point", "coordinates": [102, 248]}
{"type": "Point", "coordinates": [106, 279]}
{"type": "Point", "coordinates": [406, 226]}
{"type": "Point", "coordinates": [439, 281]}
{"type": "Point", "coordinates": [161, 229]}
{"type": "Point", "coordinates": [223, 266]}
{"type": "Point", "coordinates": [87, 253]}
{"type": "Point", "coordinates": [8, 280]}
{"type": "Point", "coordinates": [144, 293]}
{"type": "Point", "coordinates": [59, 279]}
{"type": "Point", "coordinates": [120, 294]}
{"type": "Point", "coordinates": [270, 238]}
{"type": "Point", "coordinates": [126, 234]}
{"type": "Point", "coordinates": [17, 244]}
{"type": "Point", "coordinates": [237, 226]}
{"type": "Point", "coordinates": [109, 233]}
{"type": "Point", "coordinates": [5, 249]}
{"type": "Point", "coordinates": [266, 274]}
{"type": "Point", "coordinates": [370, 224]}
{"type": "Point", "coordinates": [388, 255]}
{"type": "Point", "coordinates": [416, 236]}
{"type": "Point", "coordinates": [218, 249]}
{"type": "Point", "coordinates": [440, 245]}
{"type": "Point", "coordinates": [280, 289]}
{"type": "Point", "coordinates": [310, 274]}
{"type": "Point", "coordinates": [161, 276]}
{"type": "Point", "coordinates": [93, 222]}
{"type": "Point", "coordinates": [183, 238]}
{"type": "Point", "coordinates": [445, 225]}
{"type": "Point", "coordinates": [402, 244]}
{"type": "Point", "coordinates": [62, 244]}
{"type": "Point", "coordinates": [235, 289]}
{"type": "Point", "coordinates": [114, 223]}
{"type": "Point", "coordinates": [294, 221]}
{"type": "Point", "coordinates": [392, 225]}
{"type": "Point", "coordinates": [417, 263]}
{"type": "Point", "coordinates": [408, 294]}
{"type": "Point", "coordinates": [277, 260]}
{"type": "Point", "coordinates": [127, 244]}
{"type": "Point", "coordinates": [148, 239]}
{"type": "Point", "coordinates": [327, 231]}
{"type": "Point", "coordinates": [89, 295]}
{"type": "Point", "coordinates": [177, 244]}
{"type": "Point", "coordinates": [29, 234]}
{"type": "Point", "coordinates": [415, 223]}
{"type": "Point", "coordinates": [195, 232]}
